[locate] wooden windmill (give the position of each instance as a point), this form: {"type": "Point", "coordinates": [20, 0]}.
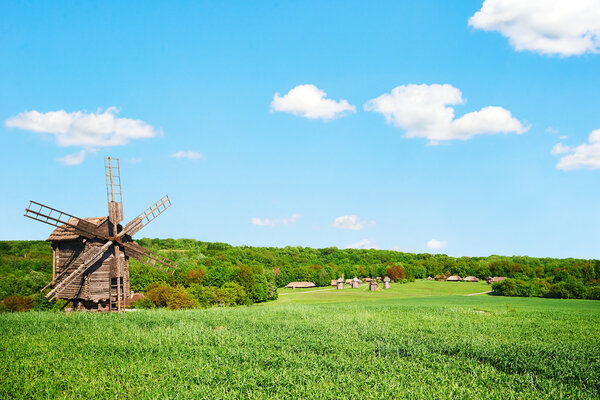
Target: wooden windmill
{"type": "Point", "coordinates": [90, 264]}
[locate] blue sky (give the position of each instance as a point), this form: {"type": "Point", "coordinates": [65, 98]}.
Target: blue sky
{"type": "Point", "coordinates": [200, 79]}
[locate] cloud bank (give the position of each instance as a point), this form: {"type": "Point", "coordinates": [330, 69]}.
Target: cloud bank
{"type": "Point", "coordinates": [190, 155]}
{"type": "Point", "coordinates": [292, 219]}
{"type": "Point", "coordinates": [310, 102]}
{"type": "Point", "coordinates": [584, 156]}
{"type": "Point", "coordinates": [364, 244]}
{"type": "Point", "coordinates": [561, 27]}
{"type": "Point", "coordinates": [424, 111]}
{"type": "Point", "coordinates": [83, 129]}
{"type": "Point", "coordinates": [435, 244]}
{"type": "Point", "coordinates": [350, 222]}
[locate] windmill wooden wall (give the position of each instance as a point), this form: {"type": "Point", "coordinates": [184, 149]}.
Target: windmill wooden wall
{"type": "Point", "coordinates": [93, 290]}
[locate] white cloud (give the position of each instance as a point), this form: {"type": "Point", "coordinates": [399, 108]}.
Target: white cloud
{"type": "Point", "coordinates": [586, 155]}
{"type": "Point", "coordinates": [551, 130]}
{"type": "Point", "coordinates": [72, 159]}
{"type": "Point", "coordinates": [560, 148]}
{"type": "Point", "coordinates": [83, 129]}
{"type": "Point", "coordinates": [423, 112]}
{"type": "Point", "coordinates": [350, 222]}
{"type": "Point", "coordinates": [563, 137]}
{"type": "Point", "coordinates": [190, 155]}
{"type": "Point", "coordinates": [364, 244]}
{"type": "Point", "coordinates": [310, 102]}
{"type": "Point", "coordinates": [292, 219]}
{"type": "Point", "coordinates": [436, 244]}
{"type": "Point", "coordinates": [563, 27]}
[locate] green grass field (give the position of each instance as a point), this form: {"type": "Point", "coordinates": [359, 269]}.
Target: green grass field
{"type": "Point", "coordinates": [419, 340]}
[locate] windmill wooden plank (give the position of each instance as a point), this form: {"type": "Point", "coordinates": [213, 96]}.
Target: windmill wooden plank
{"type": "Point", "coordinates": [91, 255]}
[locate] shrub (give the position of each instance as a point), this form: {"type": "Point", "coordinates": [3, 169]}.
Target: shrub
{"type": "Point", "coordinates": [195, 275]}
{"type": "Point", "coordinates": [159, 293]}
{"type": "Point", "coordinates": [179, 298]}
{"type": "Point", "coordinates": [396, 273]}
{"type": "Point", "coordinates": [142, 303]}
{"type": "Point", "coordinates": [17, 303]}
{"type": "Point", "coordinates": [204, 295]}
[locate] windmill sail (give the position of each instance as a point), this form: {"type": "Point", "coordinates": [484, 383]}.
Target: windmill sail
{"type": "Point", "coordinates": [112, 171]}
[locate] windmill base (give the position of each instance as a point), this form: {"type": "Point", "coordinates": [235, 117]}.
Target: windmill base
{"type": "Point", "coordinates": [90, 305]}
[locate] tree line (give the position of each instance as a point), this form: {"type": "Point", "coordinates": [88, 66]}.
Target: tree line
{"type": "Point", "coordinates": [214, 273]}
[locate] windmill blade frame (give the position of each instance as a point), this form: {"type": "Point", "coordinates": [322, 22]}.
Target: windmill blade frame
{"type": "Point", "coordinates": [52, 216]}
{"type": "Point", "coordinates": [149, 258]}
{"type": "Point", "coordinates": [113, 190]}
{"type": "Point", "coordinates": [136, 224]}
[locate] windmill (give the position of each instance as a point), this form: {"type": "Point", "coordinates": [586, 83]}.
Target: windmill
{"type": "Point", "coordinates": [90, 263]}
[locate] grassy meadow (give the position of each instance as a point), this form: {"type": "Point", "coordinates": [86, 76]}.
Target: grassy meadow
{"type": "Point", "coordinates": [417, 340]}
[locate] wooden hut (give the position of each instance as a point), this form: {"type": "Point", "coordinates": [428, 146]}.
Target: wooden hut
{"type": "Point", "coordinates": [333, 283]}
{"type": "Point", "coordinates": [471, 279]}
{"type": "Point", "coordinates": [454, 278]}
{"type": "Point", "coordinates": [67, 250]}
{"type": "Point", "coordinates": [373, 285]}
{"type": "Point", "coordinates": [294, 285]}
{"type": "Point", "coordinates": [386, 282]}
{"type": "Point", "coordinates": [340, 283]}
{"type": "Point", "coordinates": [355, 283]}
{"type": "Point", "coordinates": [491, 280]}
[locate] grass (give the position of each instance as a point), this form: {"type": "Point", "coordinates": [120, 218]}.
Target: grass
{"type": "Point", "coordinates": [407, 342]}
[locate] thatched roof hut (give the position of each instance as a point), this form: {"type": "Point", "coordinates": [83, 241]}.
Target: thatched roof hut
{"type": "Point", "coordinates": [340, 283]}
{"type": "Point", "coordinates": [295, 285]}
{"type": "Point", "coordinates": [429, 278]}
{"type": "Point", "coordinates": [386, 282]}
{"type": "Point", "coordinates": [471, 279]}
{"type": "Point", "coordinates": [491, 280]}
{"type": "Point", "coordinates": [333, 283]}
{"type": "Point", "coordinates": [454, 278]}
{"type": "Point", "coordinates": [355, 283]}
{"type": "Point", "coordinates": [373, 285]}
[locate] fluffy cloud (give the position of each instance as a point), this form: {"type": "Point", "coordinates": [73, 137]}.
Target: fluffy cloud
{"type": "Point", "coordinates": [435, 244]}
{"type": "Point", "coordinates": [560, 148]}
{"type": "Point", "coordinates": [364, 244]}
{"type": "Point", "coordinates": [563, 27]}
{"type": "Point", "coordinates": [72, 159]}
{"type": "Point", "coordinates": [423, 112]}
{"type": "Point", "coordinates": [350, 222]}
{"type": "Point", "coordinates": [292, 219]}
{"type": "Point", "coordinates": [190, 155]}
{"type": "Point", "coordinates": [83, 129]}
{"type": "Point", "coordinates": [310, 102]}
{"type": "Point", "coordinates": [586, 155]}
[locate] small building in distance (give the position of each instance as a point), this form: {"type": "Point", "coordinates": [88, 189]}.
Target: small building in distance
{"type": "Point", "coordinates": [471, 279]}
{"type": "Point", "coordinates": [386, 282]}
{"type": "Point", "coordinates": [355, 283]}
{"type": "Point", "coordinates": [298, 285]}
{"type": "Point", "coordinates": [333, 283]}
{"type": "Point", "coordinates": [454, 278]}
{"type": "Point", "coordinates": [491, 280]}
{"type": "Point", "coordinates": [367, 280]}
{"type": "Point", "coordinates": [340, 283]}
{"type": "Point", "coordinates": [373, 285]}
{"type": "Point", "coordinates": [429, 278]}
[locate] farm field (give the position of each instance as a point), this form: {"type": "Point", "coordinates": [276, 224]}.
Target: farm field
{"type": "Point", "coordinates": [418, 340]}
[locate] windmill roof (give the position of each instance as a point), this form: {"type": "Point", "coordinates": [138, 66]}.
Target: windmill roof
{"type": "Point", "coordinates": [66, 232]}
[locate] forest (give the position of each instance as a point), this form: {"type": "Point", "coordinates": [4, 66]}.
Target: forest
{"type": "Point", "coordinates": [212, 273]}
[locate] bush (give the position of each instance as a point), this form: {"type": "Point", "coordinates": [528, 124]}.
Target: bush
{"type": "Point", "coordinates": [179, 298]}
{"type": "Point", "coordinates": [195, 275]}
{"type": "Point", "coordinates": [17, 303]}
{"type": "Point", "coordinates": [159, 293]}
{"type": "Point", "coordinates": [142, 303]}
{"type": "Point", "coordinates": [396, 273]}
